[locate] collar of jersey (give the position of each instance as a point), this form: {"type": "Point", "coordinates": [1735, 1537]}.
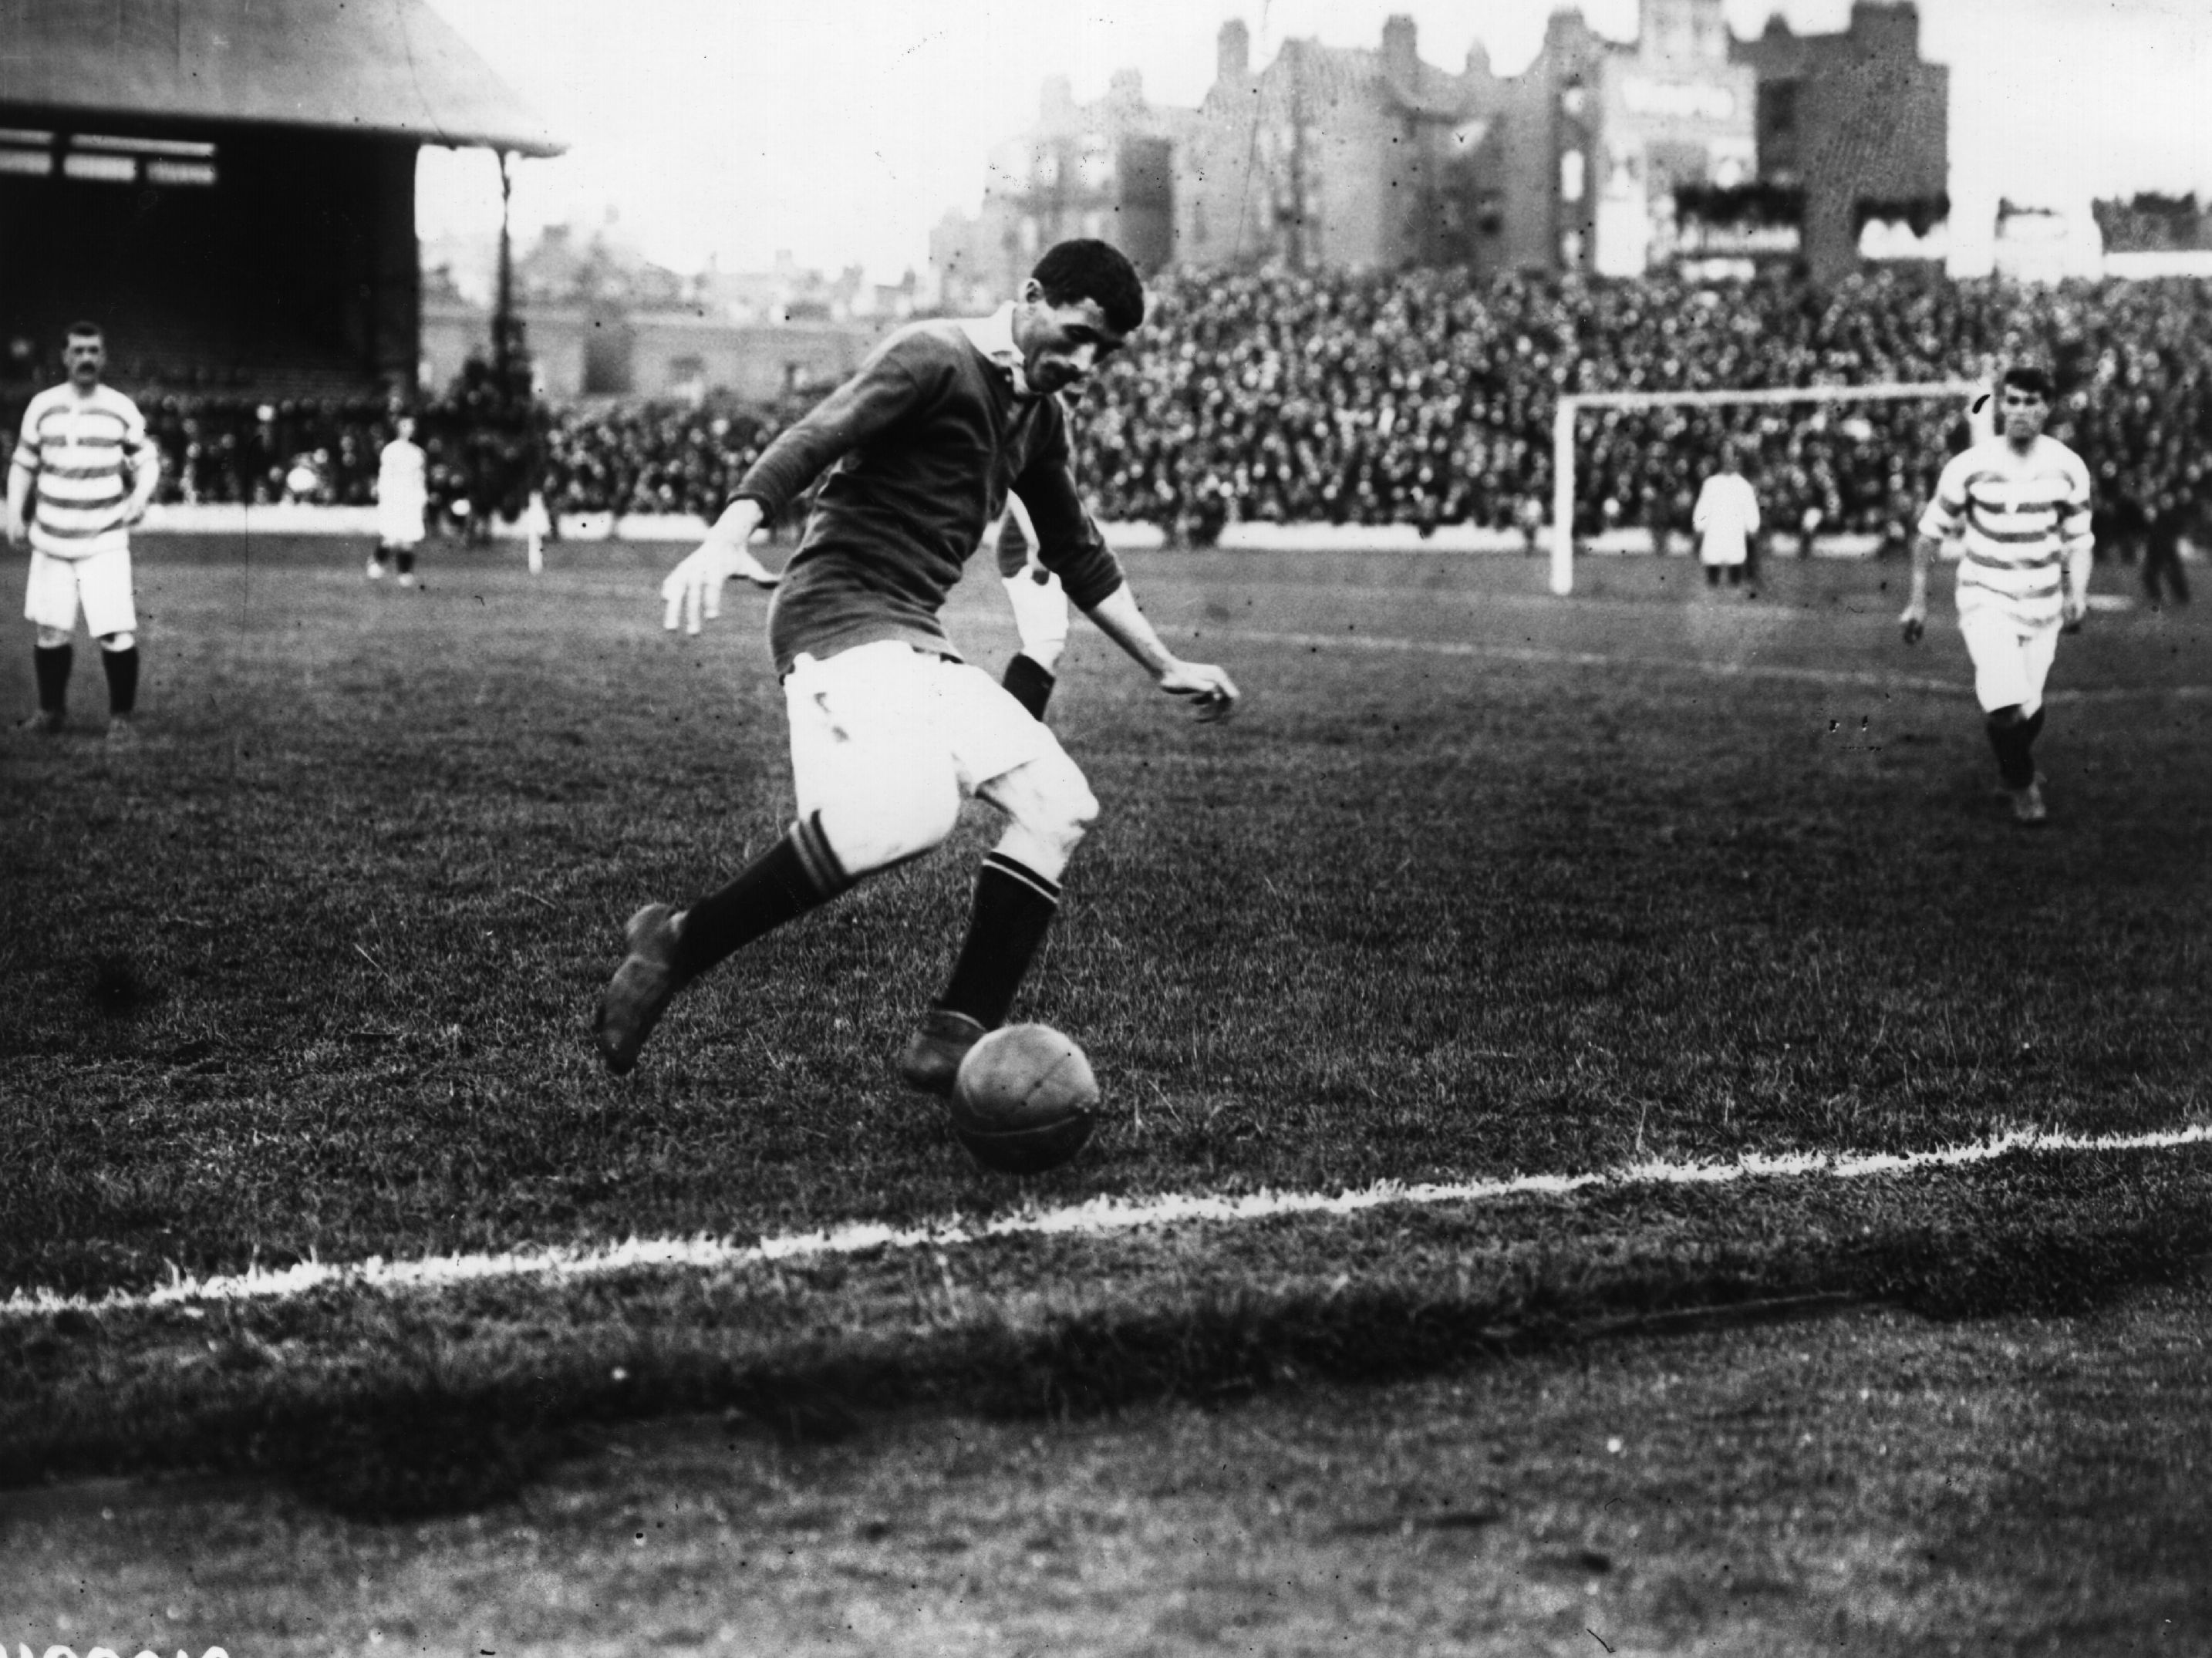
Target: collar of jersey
{"type": "Point", "coordinates": [993, 335]}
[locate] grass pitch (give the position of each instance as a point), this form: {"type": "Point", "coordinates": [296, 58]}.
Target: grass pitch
{"type": "Point", "coordinates": [1481, 882]}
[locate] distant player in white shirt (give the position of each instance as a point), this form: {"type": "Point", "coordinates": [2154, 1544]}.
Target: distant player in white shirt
{"type": "Point", "coordinates": [2017, 507]}
{"type": "Point", "coordinates": [83, 473]}
{"type": "Point", "coordinates": [537, 525]}
{"type": "Point", "coordinates": [402, 492]}
{"type": "Point", "coordinates": [1040, 607]}
{"type": "Point", "coordinates": [1725, 518]}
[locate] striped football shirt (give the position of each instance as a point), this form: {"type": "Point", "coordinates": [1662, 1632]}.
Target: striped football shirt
{"type": "Point", "coordinates": [84, 452]}
{"type": "Point", "coordinates": [2016, 517]}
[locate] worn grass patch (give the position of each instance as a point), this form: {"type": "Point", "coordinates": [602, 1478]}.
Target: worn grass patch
{"type": "Point", "coordinates": [388, 1404]}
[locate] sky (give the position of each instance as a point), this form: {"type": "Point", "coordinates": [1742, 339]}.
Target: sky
{"type": "Point", "coordinates": [839, 132]}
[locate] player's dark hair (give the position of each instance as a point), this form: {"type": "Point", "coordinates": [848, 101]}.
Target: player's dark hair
{"type": "Point", "coordinates": [1084, 269]}
{"type": "Point", "coordinates": [2026, 377]}
{"type": "Point", "coordinates": [81, 329]}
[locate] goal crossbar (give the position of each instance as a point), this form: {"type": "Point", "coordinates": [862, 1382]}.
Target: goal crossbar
{"type": "Point", "coordinates": [1562, 435]}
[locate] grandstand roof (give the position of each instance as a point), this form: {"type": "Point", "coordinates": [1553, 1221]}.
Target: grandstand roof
{"type": "Point", "coordinates": [379, 66]}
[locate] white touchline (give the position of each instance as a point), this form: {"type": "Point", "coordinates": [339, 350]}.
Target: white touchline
{"type": "Point", "coordinates": [1871, 678]}
{"type": "Point", "coordinates": [1353, 641]}
{"type": "Point", "coordinates": [1099, 1217]}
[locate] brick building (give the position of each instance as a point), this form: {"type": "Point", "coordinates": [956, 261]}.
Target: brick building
{"type": "Point", "coordinates": [1343, 157]}
{"type": "Point", "coordinates": [1101, 169]}
{"type": "Point", "coordinates": [1684, 148]}
{"type": "Point", "coordinates": [1859, 124]}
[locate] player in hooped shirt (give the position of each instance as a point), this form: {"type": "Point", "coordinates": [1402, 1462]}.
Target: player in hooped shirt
{"type": "Point", "coordinates": [2016, 506]}
{"type": "Point", "coordinates": [83, 473]}
{"type": "Point", "coordinates": [890, 729]}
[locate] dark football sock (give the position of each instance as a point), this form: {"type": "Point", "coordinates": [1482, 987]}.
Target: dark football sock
{"type": "Point", "coordinates": [52, 664]}
{"type": "Point", "coordinates": [791, 878]}
{"type": "Point", "coordinates": [1030, 684]}
{"type": "Point", "coordinates": [122, 669]}
{"type": "Point", "coordinates": [2011, 739]}
{"type": "Point", "coordinates": [1014, 905]}
{"type": "Point", "coordinates": [381, 556]}
{"type": "Point", "coordinates": [407, 560]}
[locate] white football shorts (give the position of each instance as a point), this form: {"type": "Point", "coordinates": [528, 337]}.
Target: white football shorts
{"type": "Point", "coordinates": [101, 584]}
{"type": "Point", "coordinates": [2011, 660]}
{"type": "Point", "coordinates": [399, 523]}
{"type": "Point", "coordinates": [867, 720]}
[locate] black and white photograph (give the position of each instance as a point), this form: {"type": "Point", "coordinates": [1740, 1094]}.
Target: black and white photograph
{"type": "Point", "coordinates": [935, 828]}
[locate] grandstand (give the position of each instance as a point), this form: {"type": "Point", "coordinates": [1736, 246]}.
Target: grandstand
{"type": "Point", "coordinates": [229, 187]}
{"type": "Point", "coordinates": [1424, 402]}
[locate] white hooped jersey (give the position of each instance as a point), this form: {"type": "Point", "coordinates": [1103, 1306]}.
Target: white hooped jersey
{"type": "Point", "coordinates": [2016, 517]}
{"type": "Point", "coordinates": [84, 452]}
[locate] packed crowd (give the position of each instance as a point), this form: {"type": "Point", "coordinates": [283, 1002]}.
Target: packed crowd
{"type": "Point", "coordinates": [485, 444]}
{"type": "Point", "coordinates": [1427, 399]}
{"type": "Point", "coordinates": [1419, 398]}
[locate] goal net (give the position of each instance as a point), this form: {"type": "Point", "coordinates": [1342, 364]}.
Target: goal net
{"type": "Point", "coordinates": [1565, 424]}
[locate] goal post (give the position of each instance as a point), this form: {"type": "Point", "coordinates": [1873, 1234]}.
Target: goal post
{"type": "Point", "coordinates": [1570, 406]}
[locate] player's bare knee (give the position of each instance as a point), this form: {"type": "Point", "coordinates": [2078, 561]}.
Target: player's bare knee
{"type": "Point", "coordinates": [2006, 718]}
{"type": "Point", "coordinates": [1053, 803]}
{"type": "Point", "coordinates": [52, 638]}
{"type": "Point", "coordinates": [118, 641]}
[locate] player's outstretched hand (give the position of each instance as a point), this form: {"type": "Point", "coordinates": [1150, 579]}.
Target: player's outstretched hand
{"type": "Point", "coordinates": [1213, 690]}
{"type": "Point", "coordinates": [692, 592]}
{"type": "Point", "coordinates": [2073, 609]}
{"type": "Point", "coordinates": [1913, 622]}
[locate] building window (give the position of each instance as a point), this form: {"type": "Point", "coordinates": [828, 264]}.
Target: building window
{"type": "Point", "coordinates": [1777, 108]}
{"type": "Point", "coordinates": [190, 174]}
{"type": "Point", "coordinates": [101, 169]}
{"type": "Point", "coordinates": [1572, 167]}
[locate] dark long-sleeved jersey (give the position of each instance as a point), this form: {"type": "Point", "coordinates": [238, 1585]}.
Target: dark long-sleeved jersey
{"type": "Point", "coordinates": [923, 444]}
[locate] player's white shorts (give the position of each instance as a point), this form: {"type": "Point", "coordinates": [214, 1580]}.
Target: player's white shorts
{"type": "Point", "coordinates": [869, 719]}
{"type": "Point", "coordinates": [398, 523]}
{"type": "Point", "coordinates": [2011, 659]}
{"type": "Point", "coordinates": [101, 584]}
